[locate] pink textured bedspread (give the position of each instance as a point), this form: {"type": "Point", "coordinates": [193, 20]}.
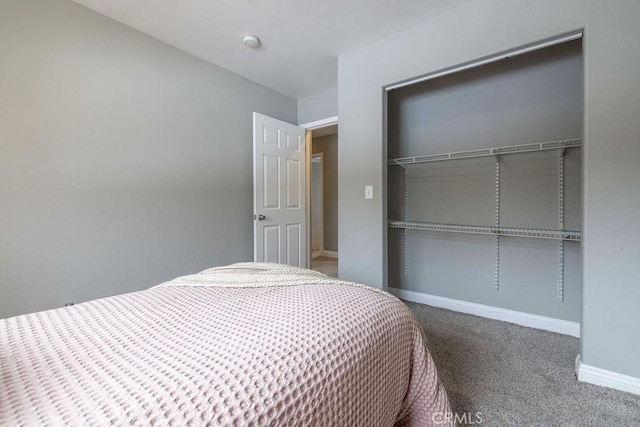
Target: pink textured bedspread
{"type": "Point", "coordinates": [197, 352]}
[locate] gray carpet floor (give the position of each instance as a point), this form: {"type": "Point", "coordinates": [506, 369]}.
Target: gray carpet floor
{"type": "Point", "coordinates": [326, 265]}
{"type": "Point", "coordinates": [517, 376]}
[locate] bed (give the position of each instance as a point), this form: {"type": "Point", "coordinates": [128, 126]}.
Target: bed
{"type": "Point", "coordinates": [250, 344]}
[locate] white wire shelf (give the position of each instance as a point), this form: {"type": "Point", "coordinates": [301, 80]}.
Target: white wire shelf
{"type": "Point", "coordinates": [574, 236]}
{"type": "Point", "coordinates": [484, 152]}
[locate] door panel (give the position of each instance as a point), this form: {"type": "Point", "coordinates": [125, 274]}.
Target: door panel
{"type": "Point", "coordinates": [294, 142]}
{"type": "Point", "coordinates": [293, 244]}
{"type": "Point", "coordinates": [271, 243]}
{"type": "Point", "coordinates": [271, 136]}
{"type": "Point", "coordinates": [293, 184]}
{"type": "Point", "coordinates": [271, 182]}
{"type": "Point", "coordinates": [279, 191]}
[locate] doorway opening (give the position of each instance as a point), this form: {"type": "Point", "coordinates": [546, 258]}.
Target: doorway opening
{"type": "Point", "coordinates": [317, 214]}
{"type": "Point", "coordinates": [323, 199]}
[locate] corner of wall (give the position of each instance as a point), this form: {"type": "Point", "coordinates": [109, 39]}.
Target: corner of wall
{"type": "Point", "coordinates": [318, 106]}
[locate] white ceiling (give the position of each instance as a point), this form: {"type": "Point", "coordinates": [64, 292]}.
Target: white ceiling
{"type": "Point", "coordinates": [301, 39]}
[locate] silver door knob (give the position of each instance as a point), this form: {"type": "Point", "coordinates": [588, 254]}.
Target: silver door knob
{"type": "Point", "coordinates": [261, 217]}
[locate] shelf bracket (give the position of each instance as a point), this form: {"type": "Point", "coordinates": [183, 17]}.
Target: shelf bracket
{"type": "Point", "coordinates": [561, 224]}
{"type": "Point", "coordinates": [406, 231]}
{"type": "Point", "coordinates": [561, 271]}
{"type": "Point", "coordinates": [496, 263]}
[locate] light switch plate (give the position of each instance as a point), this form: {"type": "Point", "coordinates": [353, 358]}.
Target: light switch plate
{"type": "Point", "coordinates": [368, 191]}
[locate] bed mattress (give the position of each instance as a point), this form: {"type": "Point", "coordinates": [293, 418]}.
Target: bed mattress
{"type": "Point", "coordinates": [245, 345]}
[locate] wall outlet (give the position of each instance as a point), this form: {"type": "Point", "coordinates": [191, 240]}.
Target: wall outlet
{"type": "Point", "coordinates": [368, 192]}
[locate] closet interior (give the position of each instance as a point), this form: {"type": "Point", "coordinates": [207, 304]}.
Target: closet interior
{"type": "Point", "coordinates": [484, 184]}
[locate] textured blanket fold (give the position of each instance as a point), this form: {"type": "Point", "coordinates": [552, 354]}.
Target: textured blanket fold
{"type": "Point", "coordinates": [279, 346]}
{"type": "Point", "coordinates": [260, 274]}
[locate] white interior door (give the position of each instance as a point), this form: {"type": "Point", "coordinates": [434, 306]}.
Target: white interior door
{"type": "Point", "coordinates": [279, 197]}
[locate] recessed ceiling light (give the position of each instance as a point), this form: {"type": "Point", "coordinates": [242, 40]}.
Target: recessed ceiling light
{"type": "Point", "coordinates": [251, 41]}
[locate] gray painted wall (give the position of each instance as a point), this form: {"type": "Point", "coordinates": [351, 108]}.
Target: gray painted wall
{"type": "Point", "coordinates": [530, 98]}
{"type": "Point", "coordinates": [124, 162]}
{"type": "Point", "coordinates": [611, 247]}
{"type": "Point", "coordinates": [328, 145]}
{"type": "Point", "coordinates": [319, 106]}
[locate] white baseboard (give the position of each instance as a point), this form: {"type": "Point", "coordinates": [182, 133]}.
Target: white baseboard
{"type": "Point", "coordinates": [602, 377]}
{"type": "Point", "coordinates": [330, 254]}
{"type": "Point", "coordinates": [525, 319]}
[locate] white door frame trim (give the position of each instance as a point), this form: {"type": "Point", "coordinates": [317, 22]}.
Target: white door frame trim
{"type": "Point", "coordinates": [329, 121]}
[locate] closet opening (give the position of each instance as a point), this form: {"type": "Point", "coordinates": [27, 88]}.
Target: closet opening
{"type": "Point", "coordinates": [484, 188]}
